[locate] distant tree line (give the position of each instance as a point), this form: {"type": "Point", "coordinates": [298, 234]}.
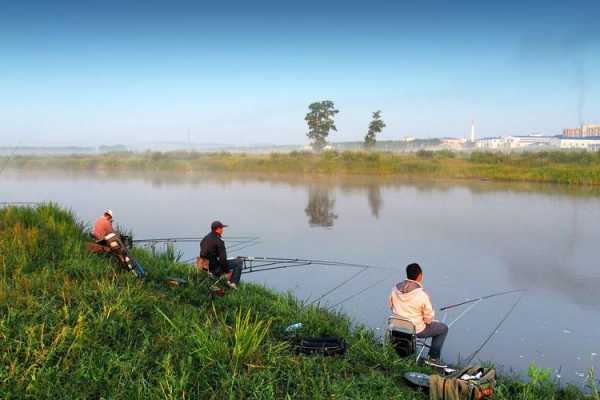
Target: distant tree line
{"type": "Point", "coordinates": [320, 120]}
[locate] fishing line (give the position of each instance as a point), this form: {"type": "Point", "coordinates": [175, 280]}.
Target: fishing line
{"type": "Point", "coordinates": [491, 335]}
{"type": "Point", "coordinates": [338, 286]}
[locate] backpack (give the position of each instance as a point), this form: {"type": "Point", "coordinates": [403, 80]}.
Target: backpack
{"type": "Point", "coordinates": [453, 387]}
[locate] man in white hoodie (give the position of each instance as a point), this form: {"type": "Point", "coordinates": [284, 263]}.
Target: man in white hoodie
{"type": "Point", "coordinates": [409, 300]}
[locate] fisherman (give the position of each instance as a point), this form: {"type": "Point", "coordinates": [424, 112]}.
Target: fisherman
{"type": "Point", "coordinates": [103, 225]}
{"type": "Point", "coordinates": [212, 250]}
{"type": "Point", "coordinates": [409, 300]}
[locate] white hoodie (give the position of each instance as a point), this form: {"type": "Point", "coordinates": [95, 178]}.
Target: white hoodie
{"type": "Point", "coordinates": [409, 300]}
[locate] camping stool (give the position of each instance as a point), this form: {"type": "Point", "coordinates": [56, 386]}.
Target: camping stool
{"type": "Point", "coordinates": [402, 334]}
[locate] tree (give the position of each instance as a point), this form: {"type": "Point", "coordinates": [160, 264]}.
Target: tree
{"type": "Point", "coordinates": [320, 122]}
{"type": "Point", "coordinates": [375, 127]}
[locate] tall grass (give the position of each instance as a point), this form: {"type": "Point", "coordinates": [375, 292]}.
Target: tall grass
{"type": "Point", "coordinates": [73, 326]}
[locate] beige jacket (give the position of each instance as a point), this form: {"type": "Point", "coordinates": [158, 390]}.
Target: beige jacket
{"type": "Point", "coordinates": [409, 300]}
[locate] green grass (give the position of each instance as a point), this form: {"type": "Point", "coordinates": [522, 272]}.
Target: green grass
{"type": "Point", "coordinates": [73, 326]}
{"type": "Point", "coordinates": [575, 168]}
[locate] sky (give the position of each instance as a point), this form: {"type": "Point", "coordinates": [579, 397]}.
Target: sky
{"type": "Point", "coordinates": [108, 72]}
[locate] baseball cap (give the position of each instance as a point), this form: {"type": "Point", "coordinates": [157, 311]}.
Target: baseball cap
{"type": "Point", "coordinates": [217, 224]}
{"type": "Point", "coordinates": [109, 212]}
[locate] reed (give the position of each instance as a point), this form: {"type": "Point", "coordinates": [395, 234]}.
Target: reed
{"type": "Point", "coordinates": [574, 168]}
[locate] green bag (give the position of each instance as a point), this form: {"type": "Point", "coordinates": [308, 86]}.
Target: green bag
{"type": "Point", "coordinates": [452, 387]}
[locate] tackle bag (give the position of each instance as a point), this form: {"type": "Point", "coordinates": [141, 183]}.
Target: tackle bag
{"type": "Point", "coordinates": [473, 383]}
{"type": "Point", "coordinates": [202, 264]}
{"type": "Point", "coordinates": [327, 346]}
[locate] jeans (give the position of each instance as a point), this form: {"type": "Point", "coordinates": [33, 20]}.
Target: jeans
{"type": "Point", "coordinates": [234, 266]}
{"type": "Point", "coordinates": [437, 331]}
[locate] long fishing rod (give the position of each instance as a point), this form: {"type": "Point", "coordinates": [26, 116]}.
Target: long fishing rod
{"type": "Point", "coordinates": [236, 239]}
{"type": "Point", "coordinates": [462, 314]}
{"type": "Point", "coordinates": [266, 261]}
{"type": "Point", "coordinates": [342, 284]}
{"type": "Point", "coordinates": [491, 335]}
{"type": "Point", "coordinates": [270, 264]}
{"type": "Point", "coordinates": [451, 306]}
{"type": "Point", "coordinates": [357, 293]}
{"type": "Point", "coordinates": [19, 203]}
{"type": "Point", "coordinates": [247, 270]}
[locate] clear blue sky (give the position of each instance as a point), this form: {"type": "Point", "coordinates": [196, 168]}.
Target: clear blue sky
{"type": "Point", "coordinates": [87, 72]}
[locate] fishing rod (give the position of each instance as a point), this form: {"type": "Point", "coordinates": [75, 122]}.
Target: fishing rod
{"type": "Point", "coordinates": [19, 203]}
{"type": "Point", "coordinates": [491, 335]}
{"type": "Point", "coordinates": [358, 293]}
{"type": "Point", "coordinates": [236, 239]}
{"type": "Point", "coordinates": [259, 262]}
{"type": "Point", "coordinates": [451, 306]}
{"type": "Point", "coordinates": [342, 284]}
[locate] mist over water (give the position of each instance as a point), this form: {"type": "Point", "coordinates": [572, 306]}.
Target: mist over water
{"type": "Point", "coordinates": [471, 239]}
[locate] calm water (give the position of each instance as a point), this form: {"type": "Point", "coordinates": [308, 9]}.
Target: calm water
{"type": "Point", "coordinates": [472, 239]}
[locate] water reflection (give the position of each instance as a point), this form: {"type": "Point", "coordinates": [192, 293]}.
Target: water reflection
{"type": "Point", "coordinates": [320, 208]}
{"type": "Point", "coordinates": [375, 200]}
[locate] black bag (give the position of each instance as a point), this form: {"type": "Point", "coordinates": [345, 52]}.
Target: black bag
{"type": "Point", "coordinates": [327, 346]}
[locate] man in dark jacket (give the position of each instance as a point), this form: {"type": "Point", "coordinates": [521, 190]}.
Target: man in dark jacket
{"type": "Point", "coordinates": [212, 249]}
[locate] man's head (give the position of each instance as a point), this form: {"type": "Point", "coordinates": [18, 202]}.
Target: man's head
{"type": "Point", "coordinates": [217, 227]}
{"type": "Point", "coordinates": [414, 272]}
{"type": "Point", "coordinates": [108, 214]}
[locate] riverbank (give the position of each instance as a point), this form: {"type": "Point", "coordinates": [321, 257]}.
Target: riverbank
{"type": "Point", "coordinates": [73, 326]}
{"type": "Point", "coordinates": [573, 168]}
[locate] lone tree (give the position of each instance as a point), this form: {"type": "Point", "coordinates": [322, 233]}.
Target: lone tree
{"type": "Point", "coordinates": [375, 127]}
{"type": "Point", "coordinates": [320, 122]}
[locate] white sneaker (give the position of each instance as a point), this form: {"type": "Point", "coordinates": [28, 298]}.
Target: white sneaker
{"type": "Point", "coordinates": [434, 362]}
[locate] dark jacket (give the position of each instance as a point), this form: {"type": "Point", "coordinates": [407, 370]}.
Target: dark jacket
{"type": "Point", "coordinates": [212, 247]}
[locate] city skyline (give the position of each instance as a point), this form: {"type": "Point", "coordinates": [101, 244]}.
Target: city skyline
{"type": "Point", "coordinates": [114, 72]}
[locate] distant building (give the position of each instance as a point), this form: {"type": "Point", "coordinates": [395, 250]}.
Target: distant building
{"type": "Point", "coordinates": [495, 143]}
{"type": "Point", "coordinates": [583, 131]}
{"type": "Point", "coordinates": [519, 142]}
{"type": "Point", "coordinates": [453, 143]}
{"type": "Point", "coordinates": [591, 144]}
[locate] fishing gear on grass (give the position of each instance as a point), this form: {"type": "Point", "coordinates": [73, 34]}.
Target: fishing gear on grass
{"type": "Point", "coordinates": [326, 346]}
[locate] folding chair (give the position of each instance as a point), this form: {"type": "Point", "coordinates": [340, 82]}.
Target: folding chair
{"type": "Point", "coordinates": [401, 334]}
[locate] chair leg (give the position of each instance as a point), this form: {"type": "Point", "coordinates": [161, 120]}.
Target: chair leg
{"type": "Point", "coordinates": [423, 346]}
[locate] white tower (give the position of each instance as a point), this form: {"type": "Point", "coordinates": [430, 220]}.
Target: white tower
{"type": "Point", "coordinates": [472, 138]}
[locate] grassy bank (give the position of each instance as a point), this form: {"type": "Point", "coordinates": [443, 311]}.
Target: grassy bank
{"type": "Point", "coordinates": [73, 326]}
{"type": "Point", "coordinates": [576, 168]}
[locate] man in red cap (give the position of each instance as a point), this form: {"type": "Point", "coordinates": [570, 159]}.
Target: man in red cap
{"type": "Point", "coordinates": [212, 249]}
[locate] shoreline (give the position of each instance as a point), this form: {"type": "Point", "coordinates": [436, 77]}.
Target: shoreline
{"type": "Point", "coordinates": [75, 311]}
{"type": "Point", "coordinates": [565, 168]}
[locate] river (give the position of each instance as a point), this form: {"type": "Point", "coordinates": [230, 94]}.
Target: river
{"type": "Point", "coordinates": [471, 239]}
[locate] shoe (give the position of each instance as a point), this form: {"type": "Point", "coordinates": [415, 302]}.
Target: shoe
{"type": "Point", "coordinates": [435, 363]}
{"type": "Point", "coordinates": [232, 285]}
